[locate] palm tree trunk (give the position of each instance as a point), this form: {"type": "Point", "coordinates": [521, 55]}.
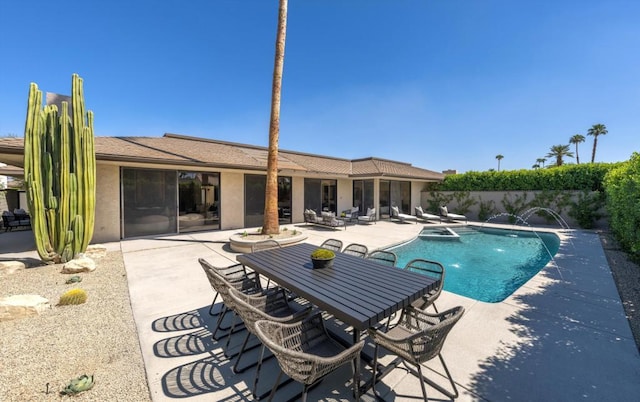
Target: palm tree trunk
{"type": "Point", "coordinates": [271, 224]}
{"type": "Point", "coordinates": [595, 145]}
{"type": "Point", "coordinates": [577, 156]}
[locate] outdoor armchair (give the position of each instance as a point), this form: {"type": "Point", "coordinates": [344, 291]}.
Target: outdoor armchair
{"type": "Point", "coordinates": [265, 245]}
{"type": "Point", "coordinates": [332, 244]}
{"type": "Point", "coordinates": [350, 214]}
{"type": "Point", "coordinates": [306, 352]}
{"type": "Point", "coordinates": [369, 217]}
{"type": "Point", "coordinates": [432, 269]}
{"type": "Point", "coordinates": [273, 307]}
{"type": "Point", "coordinates": [232, 272]}
{"type": "Point", "coordinates": [221, 280]}
{"type": "Point", "coordinates": [383, 257]}
{"type": "Point", "coordinates": [358, 250]}
{"type": "Point", "coordinates": [417, 338]}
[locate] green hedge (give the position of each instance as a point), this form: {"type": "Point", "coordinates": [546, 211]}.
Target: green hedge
{"type": "Point", "coordinates": [622, 187]}
{"type": "Point", "coordinates": [586, 177]}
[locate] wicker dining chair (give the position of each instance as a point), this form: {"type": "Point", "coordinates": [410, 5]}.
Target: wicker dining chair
{"type": "Point", "coordinates": [359, 250]}
{"type": "Point", "coordinates": [383, 257]}
{"type": "Point", "coordinates": [265, 245]}
{"type": "Point", "coordinates": [416, 339]}
{"type": "Point", "coordinates": [231, 272]}
{"type": "Point", "coordinates": [248, 282]}
{"type": "Point", "coordinates": [275, 307]}
{"type": "Point", "coordinates": [332, 244]}
{"type": "Point", "coordinates": [306, 352]}
{"type": "Point", "coordinates": [430, 268]}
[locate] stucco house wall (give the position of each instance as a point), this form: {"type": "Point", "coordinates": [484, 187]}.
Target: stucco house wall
{"type": "Point", "coordinates": [231, 200]}
{"type": "Point", "coordinates": [107, 224]}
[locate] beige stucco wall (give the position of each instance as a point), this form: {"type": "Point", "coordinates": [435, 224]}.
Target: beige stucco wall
{"type": "Point", "coordinates": [345, 194]}
{"type": "Point", "coordinates": [297, 202]}
{"type": "Point", "coordinates": [107, 225]}
{"type": "Point", "coordinates": [231, 200]}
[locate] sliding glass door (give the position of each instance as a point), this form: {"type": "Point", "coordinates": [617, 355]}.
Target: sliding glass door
{"type": "Point", "coordinates": [254, 193]}
{"type": "Point", "coordinates": [198, 201]}
{"type": "Point", "coordinates": [321, 195]}
{"type": "Point", "coordinates": [395, 193]}
{"type": "Point", "coordinates": [363, 195]}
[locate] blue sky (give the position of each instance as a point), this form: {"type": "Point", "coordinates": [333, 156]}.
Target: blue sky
{"type": "Point", "coordinates": [439, 84]}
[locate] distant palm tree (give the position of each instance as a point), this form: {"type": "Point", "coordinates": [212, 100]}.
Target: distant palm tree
{"type": "Point", "coordinates": [271, 224]}
{"type": "Point", "coordinates": [576, 139]}
{"type": "Point", "coordinates": [596, 130]}
{"type": "Point", "coordinates": [499, 158]}
{"type": "Point", "coordinates": [559, 152]}
{"type": "Point", "coordinates": [536, 166]}
{"type": "Point", "coordinates": [541, 161]}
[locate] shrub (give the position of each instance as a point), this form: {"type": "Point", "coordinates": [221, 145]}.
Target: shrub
{"type": "Point", "coordinates": [622, 188]}
{"type": "Point", "coordinates": [322, 254]}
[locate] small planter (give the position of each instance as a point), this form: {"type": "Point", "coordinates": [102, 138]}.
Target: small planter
{"type": "Point", "coordinates": [322, 258]}
{"type": "Point", "coordinates": [319, 263]}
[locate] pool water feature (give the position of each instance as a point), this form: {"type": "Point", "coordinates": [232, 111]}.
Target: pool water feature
{"type": "Point", "coordinates": [485, 264]}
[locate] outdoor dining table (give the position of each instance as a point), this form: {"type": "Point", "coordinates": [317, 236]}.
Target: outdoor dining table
{"type": "Point", "coordinates": [357, 291]}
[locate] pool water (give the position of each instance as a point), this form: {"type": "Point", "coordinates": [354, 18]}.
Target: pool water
{"type": "Point", "coordinates": [484, 264]}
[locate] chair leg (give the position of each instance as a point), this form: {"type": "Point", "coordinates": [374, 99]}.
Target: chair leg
{"type": "Point", "coordinates": [275, 386]}
{"type": "Point", "coordinates": [234, 368]}
{"type": "Point", "coordinates": [211, 313]}
{"type": "Point", "coordinates": [452, 395]}
{"type": "Point", "coordinates": [375, 368]}
{"type": "Point", "coordinates": [305, 391]}
{"type": "Point", "coordinates": [420, 377]}
{"type": "Point", "coordinates": [356, 378]}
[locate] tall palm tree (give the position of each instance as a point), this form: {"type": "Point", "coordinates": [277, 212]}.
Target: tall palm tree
{"type": "Point", "coordinates": [541, 161]}
{"type": "Point", "coordinates": [576, 139]}
{"type": "Point", "coordinates": [535, 166]}
{"type": "Point", "coordinates": [559, 152]}
{"type": "Point", "coordinates": [271, 224]}
{"type": "Point", "coordinates": [596, 130]}
{"type": "Point", "coordinates": [499, 158]}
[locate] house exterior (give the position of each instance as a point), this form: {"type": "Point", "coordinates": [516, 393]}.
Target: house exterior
{"type": "Point", "coordinates": [176, 183]}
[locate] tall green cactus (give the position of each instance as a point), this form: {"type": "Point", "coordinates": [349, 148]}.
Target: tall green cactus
{"type": "Point", "coordinates": [60, 174]}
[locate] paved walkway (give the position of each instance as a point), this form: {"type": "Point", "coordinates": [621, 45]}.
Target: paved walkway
{"type": "Point", "coordinates": [563, 336]}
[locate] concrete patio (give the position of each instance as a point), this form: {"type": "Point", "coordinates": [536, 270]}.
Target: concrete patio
{"type": "Point", "coordinates": [562, 336]}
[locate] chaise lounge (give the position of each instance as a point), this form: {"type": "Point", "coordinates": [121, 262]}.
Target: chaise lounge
{"type": "Point", "coordinates": [448, 216]}
{"type": "Point", "coordinates": [396, 214]}
{"type": "Point", "coordinates": [424, 216]}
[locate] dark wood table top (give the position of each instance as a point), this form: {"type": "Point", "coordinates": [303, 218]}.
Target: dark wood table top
{"type": "Point", "coordinates": [358, 291]}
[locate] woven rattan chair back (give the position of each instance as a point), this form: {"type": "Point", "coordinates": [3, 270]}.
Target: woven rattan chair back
{"type": "Point", "coordinates": [332, 244]}
{"type": "Point", "coordinates": [264, 245]}
{"type": "Point", "coordinates": [358, 250]}
{"type": "Point", "coordinates": [417, 338]}
{"type": "Point", "coordinates": [305, 351]}
{"type": "Point", "coordinates": [432, 269]}
{"type": "Point", "coordinates": [383, 257]}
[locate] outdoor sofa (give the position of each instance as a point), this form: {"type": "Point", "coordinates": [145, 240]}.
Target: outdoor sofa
{"type": "Point", "coordinates": [327, 219]}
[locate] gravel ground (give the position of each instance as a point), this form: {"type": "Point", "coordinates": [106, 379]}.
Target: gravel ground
{"type": "Point", "coordinates": [627, 278]}
{"type": "Point", "coordinates": [98, 337]}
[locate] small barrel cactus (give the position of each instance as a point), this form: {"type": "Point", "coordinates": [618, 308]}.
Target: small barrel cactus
{"type": "Point", "coordinates": [73, 296]}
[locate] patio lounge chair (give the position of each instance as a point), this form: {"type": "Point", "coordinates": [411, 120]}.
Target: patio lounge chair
{"type": "Point", "coordinates": [327, 219]}
{"type": "Point", "coordinates": [448, 216]}
{"type": "Point", "coordinates": [306, 352]}
{"type": "Point", "coordinates": [424, 216]}
{"type": "Point", "coordinates": [369, 217]}
{"type": "Point", "coordinates": [418, 338]}
{"type": "Point", "coordinates": [396, 214]}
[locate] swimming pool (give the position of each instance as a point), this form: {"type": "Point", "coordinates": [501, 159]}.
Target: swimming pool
{"type": "Point", "coordinates": [485, 264]}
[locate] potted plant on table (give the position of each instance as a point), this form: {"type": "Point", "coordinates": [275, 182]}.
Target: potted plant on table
{"type": "Point", "coordinates": [322, 258]}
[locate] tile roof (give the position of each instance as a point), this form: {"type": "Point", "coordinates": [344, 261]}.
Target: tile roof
{"type": "Point", "coordinates": [176, 149]}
